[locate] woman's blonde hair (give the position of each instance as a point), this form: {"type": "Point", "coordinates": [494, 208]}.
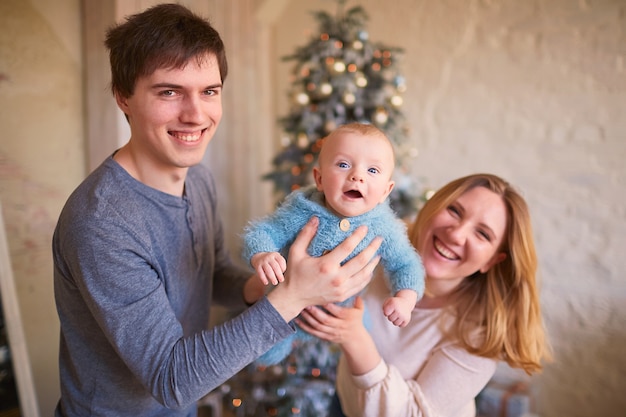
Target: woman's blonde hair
{"type": "Point", "coordinates": [505, 300]}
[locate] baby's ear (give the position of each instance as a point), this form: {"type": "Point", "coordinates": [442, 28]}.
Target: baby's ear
{"type": "Point", "coordinates": [317, 175]}
{"type": "Point", "coordinates": [389, 188]}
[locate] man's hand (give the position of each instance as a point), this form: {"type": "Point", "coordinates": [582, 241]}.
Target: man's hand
{"type": "Point", "coordinates": [317, 281]}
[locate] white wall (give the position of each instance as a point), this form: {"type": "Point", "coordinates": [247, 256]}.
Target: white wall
{"type": "Point", "coordinates": [534, 91]}
{"type": "Point", "coordinates": [41, 160]}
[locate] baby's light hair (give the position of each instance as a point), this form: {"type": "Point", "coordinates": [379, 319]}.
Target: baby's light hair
{"type": "Point", "coordinates": [365, 129]}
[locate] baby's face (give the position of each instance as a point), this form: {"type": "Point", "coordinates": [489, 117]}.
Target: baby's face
{"type": "Point", "coordinates": [354, 172]}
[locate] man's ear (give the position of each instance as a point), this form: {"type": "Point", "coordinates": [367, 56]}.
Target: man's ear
{"type": "Point", "coordinates": [122, 102]}
{"type": "Point", "coordinates": [497, 258]}
{"type": "Point", "coordinates": [317, 175]}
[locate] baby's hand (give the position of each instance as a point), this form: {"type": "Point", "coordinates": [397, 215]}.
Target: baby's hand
{"type": "Point", "coordinates": [398, 310]}
{"type": "Point", "coordinates": [269, 266]}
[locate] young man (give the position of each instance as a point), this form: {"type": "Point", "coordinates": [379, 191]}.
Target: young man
{"type": "Point", "coordinates": [139, 252]}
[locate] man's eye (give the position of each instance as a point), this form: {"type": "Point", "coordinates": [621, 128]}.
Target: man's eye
{"type": "Point", "coordinates": [167, 93]}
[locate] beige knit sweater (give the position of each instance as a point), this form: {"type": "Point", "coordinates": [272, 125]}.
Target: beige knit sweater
{"type": "Point", "coordinates": [422, 373]}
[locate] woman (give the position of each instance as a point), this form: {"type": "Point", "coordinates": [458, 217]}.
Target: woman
{"type": "Point", "coordinates": [481, 306]}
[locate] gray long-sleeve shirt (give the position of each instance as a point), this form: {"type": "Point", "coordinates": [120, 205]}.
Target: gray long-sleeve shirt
{"type": "Point", "coordinates": [135, 271]}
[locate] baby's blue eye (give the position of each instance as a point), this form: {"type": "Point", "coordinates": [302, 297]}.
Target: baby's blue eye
{"type": "Point", "coordinates": [373, 171]}
{"type": "Point", "coordinates": [342, 165]}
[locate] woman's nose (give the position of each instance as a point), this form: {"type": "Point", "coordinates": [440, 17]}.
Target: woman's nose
{"type": "Point", "coordinates": [458, 232]}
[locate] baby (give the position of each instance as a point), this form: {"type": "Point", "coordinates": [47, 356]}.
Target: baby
{"type": "Point", "coordinates": [353, 179]}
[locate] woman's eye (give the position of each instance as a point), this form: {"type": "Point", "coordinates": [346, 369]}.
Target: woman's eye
{"type": "Point", "coordinates": [453, 210]}
{"type": "Point", "coordinates": [485, 235]}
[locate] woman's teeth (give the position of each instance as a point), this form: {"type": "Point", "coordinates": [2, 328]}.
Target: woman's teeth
{"type": "Point", "coordinates": [443, 251]}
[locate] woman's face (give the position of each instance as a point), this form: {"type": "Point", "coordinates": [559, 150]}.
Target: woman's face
{"type": "Point", "coordinates": [463, 238]}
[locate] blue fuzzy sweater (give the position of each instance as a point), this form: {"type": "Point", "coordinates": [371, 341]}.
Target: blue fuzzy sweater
{"type": "Point", "coordinates": [276, 233]}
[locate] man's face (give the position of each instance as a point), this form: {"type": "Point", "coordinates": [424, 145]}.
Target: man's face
{"type": "Point", "coordinates": [173, 114]}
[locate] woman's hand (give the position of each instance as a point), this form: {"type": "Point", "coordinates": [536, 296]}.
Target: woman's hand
{"type": "Point", "coordinates": [337, 324]}
{"type": "Point", "coordinates": [344, 326]}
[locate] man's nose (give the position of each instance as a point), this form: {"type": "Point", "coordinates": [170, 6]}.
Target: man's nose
{"type": "Point", "coordinates": [192, 111]}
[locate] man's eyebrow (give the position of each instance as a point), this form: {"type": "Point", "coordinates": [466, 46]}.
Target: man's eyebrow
{"type": "Point", "coordinates": [177, 86]}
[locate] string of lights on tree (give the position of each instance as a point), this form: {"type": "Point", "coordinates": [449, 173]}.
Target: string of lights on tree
{"type": "Point", "coordinates": [341, 76]}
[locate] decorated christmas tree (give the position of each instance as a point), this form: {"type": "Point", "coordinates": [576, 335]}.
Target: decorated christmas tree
{"type": "Point", "coordinates": [339, 76]}
{"type": "Point", "coordinates": [302, 385]}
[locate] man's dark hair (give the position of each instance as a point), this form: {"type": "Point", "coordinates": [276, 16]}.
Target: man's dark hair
{"type": "Point", "coordinates": [163, 36]}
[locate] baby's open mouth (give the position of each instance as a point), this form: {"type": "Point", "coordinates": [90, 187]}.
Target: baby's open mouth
{"type": "Point", "coordinates": [353, 194]}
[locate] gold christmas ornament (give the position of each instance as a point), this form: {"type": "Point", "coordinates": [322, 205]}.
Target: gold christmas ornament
{"type": "Point", "coordinates": [360, 80]}
{"type": "Point", "coordinates": [339, 66]}
{"type": "Point", "coordinates": [349, 98]}
{"type": "Point", "coordinates": [303, 140]}
{"type": "Point", "coordinates": [302, 98]}
{"type": "Point", "coordinates": [326, 89]}
{"type": "Point", "coordinates": [381, 116]}
{"type": "Point", "coordinates": [396, 100]}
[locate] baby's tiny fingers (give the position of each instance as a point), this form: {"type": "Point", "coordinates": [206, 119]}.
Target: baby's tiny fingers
{"type": "Point", "coordinates": [262, 277]}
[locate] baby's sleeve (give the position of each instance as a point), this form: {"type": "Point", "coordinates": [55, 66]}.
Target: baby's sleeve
{"type": "Point", "coordinates": [401, 261]}
{"type": "Point", "coordinates": [273, 233]}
